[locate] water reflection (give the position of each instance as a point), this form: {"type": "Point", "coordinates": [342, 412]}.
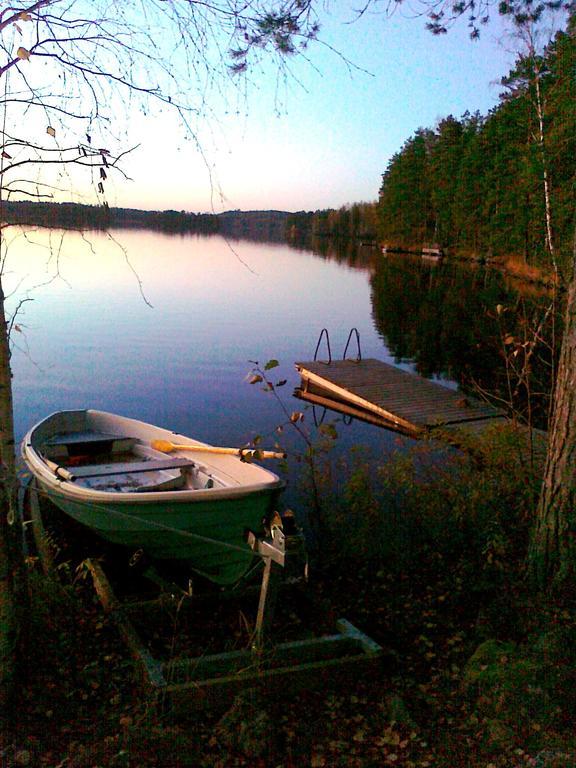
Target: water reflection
{"type": "Point", "coordinates": [180, 357]}
{"type": "Point", "coordinates": [459, 322]}
{"type": "Point", "coordinates": [347, 252]}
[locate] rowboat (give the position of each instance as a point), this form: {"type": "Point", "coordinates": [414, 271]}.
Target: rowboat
{"type": "Point", "coordinates": [192, 506]}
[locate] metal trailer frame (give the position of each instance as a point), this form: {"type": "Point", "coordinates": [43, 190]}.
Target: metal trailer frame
{"type": "Point", "coordinates": [185, 685]}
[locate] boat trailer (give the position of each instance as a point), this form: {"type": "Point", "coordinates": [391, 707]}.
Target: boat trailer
{"type": "Point", "coordinates": [182, 685]}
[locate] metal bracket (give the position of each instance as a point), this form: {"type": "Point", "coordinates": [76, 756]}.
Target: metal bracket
{"type": "Point", "coordinates": [272, 547]}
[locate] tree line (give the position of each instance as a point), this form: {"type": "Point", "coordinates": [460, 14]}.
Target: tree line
{"type": "Point", "coordinates": [495, 186]}
{"type": "Point", "coordinates": [356, 221]}
{"type": "Point", "coordinates": [78, 216]}
{"type": "Point", "coordinates": [499, 185]}
{"type": "Point", "coordinates": [523, 155]}
{"type": "Point", "coordinates": [255, 225]}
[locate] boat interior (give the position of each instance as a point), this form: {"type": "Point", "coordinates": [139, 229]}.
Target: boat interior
{"type": "Point", "coordinates": [108, 462]}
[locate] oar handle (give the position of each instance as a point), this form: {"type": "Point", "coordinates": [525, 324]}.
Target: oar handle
{"type": "Point", "coordinates": [232, 451]}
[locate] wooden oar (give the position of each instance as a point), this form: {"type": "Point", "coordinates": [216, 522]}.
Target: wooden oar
{"type": "Point", "coordinates": [167, 447]}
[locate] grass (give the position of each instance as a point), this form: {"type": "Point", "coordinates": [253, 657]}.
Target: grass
{"type": "Point", "coordinates": [518, 268]}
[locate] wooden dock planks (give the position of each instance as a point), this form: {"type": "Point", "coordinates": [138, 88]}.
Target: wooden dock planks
{"type": "Point", "coordinates": [383, 394]}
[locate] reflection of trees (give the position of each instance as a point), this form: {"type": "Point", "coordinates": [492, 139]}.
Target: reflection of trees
{"type": "Point", "coordinates": [444, 319]}
{"type": "Point", "coordinates": [345, 251]}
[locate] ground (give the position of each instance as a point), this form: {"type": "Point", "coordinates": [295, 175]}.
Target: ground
{"type": "Point", "coordinates": [457, 686]}
{"type": "Point", "coordinates": [477, 671]}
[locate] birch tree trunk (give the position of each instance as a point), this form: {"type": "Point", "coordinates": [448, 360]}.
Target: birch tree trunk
{"type": "Point", "coordinates": [553, 550]}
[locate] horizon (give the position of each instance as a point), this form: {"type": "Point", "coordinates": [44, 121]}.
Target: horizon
{"type": "Point", "coordinates": [317, 135]}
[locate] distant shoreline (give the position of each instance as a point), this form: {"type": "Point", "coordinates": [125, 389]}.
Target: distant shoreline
{"type": "Point", "coordinates": [255, 224]}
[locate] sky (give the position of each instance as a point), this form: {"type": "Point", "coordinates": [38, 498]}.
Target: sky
{"type": "Point", "coordinates": [319, 137]}
{"type": "Point", "coordinates": [323, 138]}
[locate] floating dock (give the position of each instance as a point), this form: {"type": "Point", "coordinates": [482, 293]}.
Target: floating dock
{"type": "Point", "coordinates": [382, 394]}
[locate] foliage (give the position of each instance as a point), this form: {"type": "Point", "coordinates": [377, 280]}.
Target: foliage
{"type": "Point", "coordinates": [487, 516]}
{"type": "Point", "coordinates": [71, 67]}
{"type": "Point", "coordinates": [314, 458]}
{"type": "Point", "coordinates": [77, 216]}
{"type": "Point", "coordinates": [408, 193]}
{"type": "Point", "coordinates": [477, 185]}
{"type": "Point", "coordinates": [440, 699]}
{"type": "Point", "coordinates": [523, 688]}
{"type": "Point", "coordinates": [357, 221]}
{"type": "Point", "coordinates": [401, 511]}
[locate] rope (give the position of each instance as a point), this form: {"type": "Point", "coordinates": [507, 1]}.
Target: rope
{"type": "Point", "coordinates": [153, 524]}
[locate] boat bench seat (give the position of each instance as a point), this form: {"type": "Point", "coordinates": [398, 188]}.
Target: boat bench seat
{"type": "Point", "coordinates": [87, 442]}
{"type": "Point", "coordinates": [125, 468]}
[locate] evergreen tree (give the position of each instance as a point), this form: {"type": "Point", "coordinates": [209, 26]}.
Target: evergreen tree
{"type": "Point", "coordinates": [444, 166]}
{"type": "Point", "coordinates": [405, 209]}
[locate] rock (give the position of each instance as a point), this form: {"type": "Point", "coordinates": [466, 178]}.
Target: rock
{"type": "Point", "coordinates": [556, 646]}
{"type": "Point", "coordinates": [554, 758]}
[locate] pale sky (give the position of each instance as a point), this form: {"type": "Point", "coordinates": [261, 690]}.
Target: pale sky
{"type": "Point", "coordinates": [323, 138]}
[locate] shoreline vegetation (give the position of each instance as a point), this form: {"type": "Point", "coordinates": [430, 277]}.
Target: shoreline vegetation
{"type": "Point", "coordinates": [253, 224]}
{"type": "Point", "coordinates": [426, 553]}
{"type": "Point", "coordinates": [496, 188]}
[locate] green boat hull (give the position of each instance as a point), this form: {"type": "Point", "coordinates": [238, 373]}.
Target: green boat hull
{"type": "Point", "coordinates": [186, 532]}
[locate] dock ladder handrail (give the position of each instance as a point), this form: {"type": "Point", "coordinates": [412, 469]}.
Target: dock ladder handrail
{"type": "Point", "coordinates": [359, 355]}
{"type": "Point", "coordinates": [323, 332]}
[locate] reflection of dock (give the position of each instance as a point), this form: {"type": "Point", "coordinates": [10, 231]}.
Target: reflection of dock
{"type": "Point", "coordinates": [433, 253]}
{"type": "Point", "coordinates": [389, 397]}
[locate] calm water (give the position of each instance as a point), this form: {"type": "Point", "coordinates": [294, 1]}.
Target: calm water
{"type": "Point", "coordinates": [163, 328]}
{"type": "Point", "coordinates": [90, 339]}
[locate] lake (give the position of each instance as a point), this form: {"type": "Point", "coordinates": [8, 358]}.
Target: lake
{"type": "Point", "coordinates": [163, 327]}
